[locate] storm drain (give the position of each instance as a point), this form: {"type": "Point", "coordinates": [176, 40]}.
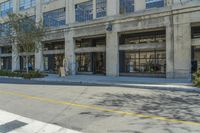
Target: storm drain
{"type": "Point", "coordinates": [10, 126]}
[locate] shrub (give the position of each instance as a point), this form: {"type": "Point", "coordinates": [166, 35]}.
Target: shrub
{"type": "Point", "coordinates": [33, 74]}
{"type": "Point", "coordinates": [29, 75]}
{"type": "Point", "coordinates": [196, 78]}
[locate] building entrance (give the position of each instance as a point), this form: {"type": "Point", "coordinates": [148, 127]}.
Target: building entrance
{"type": "Point", "coordinates": [91, 55]}
{"type": "Point", "coordinates": [53, 62]}
{"type": "Point", "coordinates": [91, 63]}
{"type": "Point", "coordinates": [99, 63]}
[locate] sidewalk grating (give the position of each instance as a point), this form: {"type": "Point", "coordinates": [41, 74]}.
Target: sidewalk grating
{"type": "Point", "coordinates": [10, 126]}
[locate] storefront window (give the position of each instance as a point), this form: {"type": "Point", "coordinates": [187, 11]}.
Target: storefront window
{"type": "Point", "coordinates": [53, 62]}
{"type": "Point", "coordinates": [54, 46]}
{"type": "Point", "coordinates": [6, 50]}
{"type": "Point", "coordinates": [6, 63]}
{"type": "Point", "coordinates": [143, 61]}
{"type": "Point", "coordinates": [141, 38]}
{"type": "Point", "coordinates": [31, 62]}
{"type": "Point", "coordinates": [195, 58]}
{"type": "Point", "coordinates": [97, 42]}
{"type": "Point", "coordinates": [196, 32]}
{"type": "Point", "coordinates": [84, 62]}
{"type": "Point", "coordinates": [94, 62]}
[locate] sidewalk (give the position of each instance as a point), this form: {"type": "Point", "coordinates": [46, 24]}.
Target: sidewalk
{"type": "Point", "coordinates": [140, 82]}
{"type": "Point", "coordinates": [17, 124]}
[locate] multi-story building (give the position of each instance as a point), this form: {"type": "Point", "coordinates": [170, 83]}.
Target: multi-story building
{"type": "Point", "coordinates": [158, 38]}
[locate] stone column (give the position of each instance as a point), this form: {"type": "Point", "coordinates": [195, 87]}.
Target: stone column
{"type": "Point", "coordinates": [15, 54]}
{"type": "Point", "coordinates": [94, 9]}
{"type": "Point", "coordinates": [169, 48]}
{"type": "Point", "coordinates": [69, 52]}
{"type": "Point", "coordinates": [70, 11]}
{"type": "Point", "coordinates": [112, 54]}
{"type": "Point", "coordinates": [39, 60]}
{"type": "Point", "coordinates": [16, 6]}
{"type": "Point", "coordinates": [182, 46]}
{"type": "Point", "coordinates": [0, 57]}
{"type": "Point", "coordinates": [15, 58]}
{"type": "Point", "coordinates": [112, 7]}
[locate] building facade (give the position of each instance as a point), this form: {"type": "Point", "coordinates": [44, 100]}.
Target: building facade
{"type": "Point", "coordinates": [156, 38]}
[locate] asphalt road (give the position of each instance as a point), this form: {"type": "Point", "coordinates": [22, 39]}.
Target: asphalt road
{"type": "Point", "coordinates": [103, 109]}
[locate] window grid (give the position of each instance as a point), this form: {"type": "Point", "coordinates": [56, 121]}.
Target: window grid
{"type": "Point", "coordinates": [126, 6]}
{"type": "Point", "coordinates": [6, 7]}
{"type": "Point", "coordinates": [154, 3]}
{"type": "Point", "coordinates": [145, 61]}
{"type": "Point", "coordinates": [84, 11]}
{"type": "Point", "coordinates": [26, 4]}
{"type": "Point", "coordinates": [47, 1]}
{"type": "Point", "coordinates": [54, 18]}
{"type": "Point", "coordinates": [4, 29]}
{"type": "Point", "coordinates": [101, 7]}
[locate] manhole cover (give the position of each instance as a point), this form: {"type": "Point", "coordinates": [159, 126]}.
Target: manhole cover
{"type": "Point", "coordinates": [7, 127]}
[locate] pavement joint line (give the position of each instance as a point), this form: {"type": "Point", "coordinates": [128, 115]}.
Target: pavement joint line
{"type": "Point", "coordinates": [92, 107]}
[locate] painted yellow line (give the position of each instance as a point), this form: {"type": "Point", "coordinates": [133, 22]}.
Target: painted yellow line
{"type": "Point", "coordinates": [85, 106]}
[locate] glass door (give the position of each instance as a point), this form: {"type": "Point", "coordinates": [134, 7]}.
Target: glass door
{"type": "Point", "coordinates": [99, 63]}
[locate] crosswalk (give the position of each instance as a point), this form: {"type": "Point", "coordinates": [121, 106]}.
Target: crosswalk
{"type": "Point", "coordinates": [12, 123]}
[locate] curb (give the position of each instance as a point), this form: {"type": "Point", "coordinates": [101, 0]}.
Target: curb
{"type": "Point", "coordinates": [185, 88]}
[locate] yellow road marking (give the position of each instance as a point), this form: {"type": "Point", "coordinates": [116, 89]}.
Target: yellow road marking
{"type": "Point", "coordinates": [85, 106]}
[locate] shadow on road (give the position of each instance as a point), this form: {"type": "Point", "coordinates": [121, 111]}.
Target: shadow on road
{"type": "Point", "coordinates": [181, 107]}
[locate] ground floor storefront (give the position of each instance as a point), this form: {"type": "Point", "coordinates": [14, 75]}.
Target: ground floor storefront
{"type": "Point", "coordinates": [6, 63]}
{"type": "Point", "coordinates": [91, 63]}
{"type": "Point", "coordinates": [144, 53]}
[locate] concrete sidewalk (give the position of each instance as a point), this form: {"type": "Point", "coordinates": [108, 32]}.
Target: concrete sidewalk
{"type": "Point", "coordinates": [13, 123]}
{"type": "Point", "coordinates": [154, 83]}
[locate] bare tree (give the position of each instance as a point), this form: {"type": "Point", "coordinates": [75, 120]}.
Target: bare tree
{"type": "Point", "coordinates": [25, 34]}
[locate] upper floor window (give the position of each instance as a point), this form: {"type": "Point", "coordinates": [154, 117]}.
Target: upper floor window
{"type": "Point", "coordinates": [84, 11]}
{"type": "Point", "coordinates": [54, 18]}
{"type": "Point", "coordinates": [126, 6]}
{"type": "Point", "coordinates": [4, 29]}
{"type": "Point", "coordinates": [101, 7]}
{"type": "Point", "coordinates": [25, 4]}
{"type": "Point", "coordinates": [154, 3]}
{"type": "Point", "coordinates": [6, 7]}
{"type": "Point", "coordinates": [47, 1]}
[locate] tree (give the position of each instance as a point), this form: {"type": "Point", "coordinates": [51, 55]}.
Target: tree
{"type": "Point", "coordinates": [26, 35]}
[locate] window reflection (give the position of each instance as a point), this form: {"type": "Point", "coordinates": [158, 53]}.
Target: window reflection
{"type": "Point", "coordinates": [126, 6]}
{"type": "Point", "coordinates": [6, 7]}
{"type": "Point", "coordinates": [101, 8]}
{"type": "Point", "coordinates": [154, 3]}
{"type": "Point", "coordinates": [54, 18]}
{"type": "Point", "coordinates": [153, 61]}
{"type": "Point", "coordinates": [84, 62]}
{"type": "Point", "coordinates": [84, 11]}
{"type": "Point", "coordinates": [140, 38]}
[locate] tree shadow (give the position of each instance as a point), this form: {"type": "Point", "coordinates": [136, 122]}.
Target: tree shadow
{"type": "Point", "coordinates": [184, 107]}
